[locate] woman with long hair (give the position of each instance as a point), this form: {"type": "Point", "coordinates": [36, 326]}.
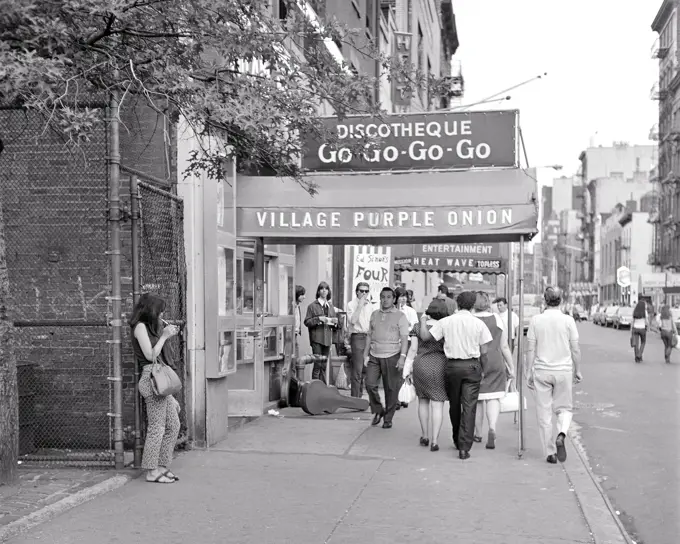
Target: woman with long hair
{"type": "Point", "coordinates": [426, 363]}
{"type": "Point", "coordinates": [668, 331]}
{"type": "Point", "coordinates": [321, 321]}
{"type": "Point", "coordinates": [300, 294]}
{"type": "Point", "coordinates": [499, 369]}
{"type": "Point", "coordinates": [638, 331]}
{"type": "Point", "coordinates": [149, 342]}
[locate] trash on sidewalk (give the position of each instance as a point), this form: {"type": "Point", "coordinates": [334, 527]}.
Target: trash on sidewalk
{"type": "Point", "coordinates": [275, 413]}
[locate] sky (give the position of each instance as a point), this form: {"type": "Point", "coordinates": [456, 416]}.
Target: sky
{"type": "Point", "coordinates": [597, 54]}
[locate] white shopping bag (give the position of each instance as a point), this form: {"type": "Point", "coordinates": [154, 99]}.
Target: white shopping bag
{"type": "Point", "coordinates": [407, 393]}
{"type": "Point", "coordinates": [510, 402]}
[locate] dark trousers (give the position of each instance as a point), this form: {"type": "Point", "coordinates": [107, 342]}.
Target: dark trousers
{"type": "Point", "coordinates": [358, 371]}
{"type": "Point", "coordinates": [463, 377]}
{"type": "Point", "coordinates": [639, 341]}
{"type": "Point", "coordinates": [387, 368]}
{"type": "Point", "coordinates": [667, 338]}
{"type": "Point", "coordinates": [319, 370]}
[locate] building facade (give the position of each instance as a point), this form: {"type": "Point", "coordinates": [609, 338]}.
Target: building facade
{"type": "Point", "coordinates": [609, 175]}
{"type": "Point", "coordinates": [666, 248]}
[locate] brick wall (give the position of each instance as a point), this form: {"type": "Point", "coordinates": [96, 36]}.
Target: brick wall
{"type": "Point", "coordinates": [55, 199]}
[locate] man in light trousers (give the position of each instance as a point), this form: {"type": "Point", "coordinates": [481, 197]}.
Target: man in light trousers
{"type": "Point", "coordinates": [553, 363]}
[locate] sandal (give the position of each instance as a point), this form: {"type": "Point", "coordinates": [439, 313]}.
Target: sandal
{"type": "Point", "coordinates": [171, 475]}
{"type": "Point", "coordinates": [162, 478]}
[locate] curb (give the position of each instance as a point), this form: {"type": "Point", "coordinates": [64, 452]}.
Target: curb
{"type": "Point", "coordinates": [67, 503]}
{"type": "Point", "coordinates": [600, 515]}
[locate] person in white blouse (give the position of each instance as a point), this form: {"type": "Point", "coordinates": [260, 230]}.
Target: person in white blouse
{"type": "Point", "coordinates": [638, 331]}
{"type": "Point", "coordinates": [359, 312]}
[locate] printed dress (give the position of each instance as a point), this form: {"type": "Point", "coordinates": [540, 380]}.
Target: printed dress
{"type": "Point", "coordinates": [428, 368]}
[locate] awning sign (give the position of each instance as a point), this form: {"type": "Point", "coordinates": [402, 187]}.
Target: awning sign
{"type": "Point", "coordinates": [435, 140]}
{"type": "Point", "coordinates": [452, 257]}
{"type": "Point", "coordinates": [398, 222]}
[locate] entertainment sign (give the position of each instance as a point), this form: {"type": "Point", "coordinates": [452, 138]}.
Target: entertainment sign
{"type": "Point", "coordinates": [483, 258]}
{"type": "Point", "coordinates": [437, 140]}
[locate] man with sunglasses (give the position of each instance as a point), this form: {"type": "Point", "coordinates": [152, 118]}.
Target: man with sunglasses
{"type": "Point", "coordinates": [359, 312]}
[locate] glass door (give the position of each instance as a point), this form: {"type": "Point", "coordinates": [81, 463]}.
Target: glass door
{"type": "Point", "coordinates": [246, 385]}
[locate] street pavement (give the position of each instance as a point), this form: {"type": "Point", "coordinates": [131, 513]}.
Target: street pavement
{"type": "Point", "coordinates": [629, 419]}
{"type": "Point", "coordinates": [336, 479]}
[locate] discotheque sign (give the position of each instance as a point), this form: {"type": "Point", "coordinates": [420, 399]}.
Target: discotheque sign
{"type": "Point", "coordinates": [436, 140]}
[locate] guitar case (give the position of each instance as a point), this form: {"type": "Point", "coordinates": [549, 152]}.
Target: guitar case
{"type": "Point", "coordinates": [316, 398]}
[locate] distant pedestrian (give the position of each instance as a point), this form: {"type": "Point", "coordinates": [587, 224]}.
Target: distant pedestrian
{"type": "Point", "coordinates": [443, 294]}
{"type": "Point", "coordinates": [412, 316]}
{"type": "Point", "coordinates": [668, 331]}
{"type": "Point", "coordinates": [300, 295]}
{"type": "Point", "coordinates": [426, 364]}
{"type": "Point", "coordinates": [502, 305]}
{"type": "Point", "coordinates": [553, 362]}
{"type": "Point", "coordinates": [359, 311]}
{"type": "Point", "coordinates": [149, 339]}
{"type": "Point", "coordinates": [638, 331]}
{"type": "Point", "coordinates": [498, 370]}
{"type": "Point", "coordinates": [465, 345]}
{"type": "Point", "coordinates": [321, 321]}
{"type": "Point", "coordinates": [385, 355]}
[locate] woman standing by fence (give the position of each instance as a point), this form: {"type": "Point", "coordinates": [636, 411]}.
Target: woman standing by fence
{"type": "Point", "coordinates": [149, 339]}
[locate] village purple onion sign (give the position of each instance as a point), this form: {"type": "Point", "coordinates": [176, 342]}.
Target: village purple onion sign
{"type": "Point", "coordinates": [435, 141]}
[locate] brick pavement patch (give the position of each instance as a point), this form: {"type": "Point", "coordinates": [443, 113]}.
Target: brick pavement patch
{"type": "Point", "coordinates": [38, 488]}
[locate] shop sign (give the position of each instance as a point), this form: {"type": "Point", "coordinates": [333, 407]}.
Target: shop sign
{"type": "Point", "coordinates": [449, 263]}
{"type": "Point", "coordinates": [352, 222]}
{"type": "Point", "coordinates": [623, 276]}
{"type": "Point", "coordinates": [433, 141]}
{"type": "Point", "coordinates": [401, 95]}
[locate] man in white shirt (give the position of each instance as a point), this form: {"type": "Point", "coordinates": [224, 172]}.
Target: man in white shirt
{"type": "Point", "coordinates": [465, 345]}
{"type": "Point", "coordinates": [359, 312]}
{"type": "Point", "coordinates": [553, 363]}
{"type": "Point", "coordinates": [502, 305]}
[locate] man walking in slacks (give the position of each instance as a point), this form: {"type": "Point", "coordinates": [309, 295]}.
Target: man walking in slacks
{"type": "Point", "coordinates": [385, 355]}
{"type": "Point", "coordinates": [553, 363]}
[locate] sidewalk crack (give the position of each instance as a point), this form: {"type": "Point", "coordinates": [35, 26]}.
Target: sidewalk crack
{"type": "Point", "coordinates": [351, 506]}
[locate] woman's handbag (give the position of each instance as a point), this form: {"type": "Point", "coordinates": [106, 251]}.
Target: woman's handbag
{"type": "Point", "coordinates": [164, 380]}
{"type": "Point", "coordinates": [510, 402]}
{"type": "Point", "coordinates": [407, 393]}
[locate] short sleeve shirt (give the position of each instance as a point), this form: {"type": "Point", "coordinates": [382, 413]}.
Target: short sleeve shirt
{"type": "Point", "coordinates": [386, 330]}
{"type": "Point", "coordinates": [550, 335]}
{"type": "Point", "coordinates": [463, 335]}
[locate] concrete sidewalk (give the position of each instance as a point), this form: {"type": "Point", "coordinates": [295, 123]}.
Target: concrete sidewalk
{"type": "Point", "coordinates": [335, 479]}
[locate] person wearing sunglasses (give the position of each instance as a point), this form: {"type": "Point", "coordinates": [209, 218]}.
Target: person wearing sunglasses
{"type": "Point", "coordinates": [359, 312]}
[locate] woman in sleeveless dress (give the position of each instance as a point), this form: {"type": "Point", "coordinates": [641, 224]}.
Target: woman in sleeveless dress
{"type": "Point", "coordinates": [426, 364]}
{"type": "Point", "coordinates": [498, 370]}
{"type": "Point", "coordinates": [668, 331]}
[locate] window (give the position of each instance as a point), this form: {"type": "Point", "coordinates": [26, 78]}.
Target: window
{"type": "Point", "coordinates": [419, 61]}
{"type": "Point", "coordinates": [427, 82]}
{"type": "Point", "coordinates": [245, 284]}
{"type": "Point", "coordinates": [409, 16]}
{"type": "Point", "coordinates": [225, 280]}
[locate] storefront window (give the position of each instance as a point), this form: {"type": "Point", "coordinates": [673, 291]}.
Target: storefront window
{"type": "Point", "coordinates": [244, 377]}
{"type": "Point", "coordinates": [270, 342]}
{"type": "Point", "coordinates": [226, 353]}
{"type": "Point", "coordinates": [225, 280]}
{"type": "Point", "coordinates": [245, 284]}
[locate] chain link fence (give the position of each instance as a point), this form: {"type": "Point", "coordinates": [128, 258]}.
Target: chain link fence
{"type": "Point", "coordinates": [162, 270]}
{"type": "Point", "coordinates": [55, 200]}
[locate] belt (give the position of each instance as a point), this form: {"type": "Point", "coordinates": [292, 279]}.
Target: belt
{"type": "Point", "coordinates": [359, 334]}
{"type": "Point", "coordinates": [464, 360]}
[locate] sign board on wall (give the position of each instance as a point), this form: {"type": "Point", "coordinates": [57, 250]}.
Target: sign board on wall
{"type": "Point", "coordinates": [401, 95]}
{"type": "Point", "coordinates": [474, 258]}
{"type": "Point", "coordinates": [357, 222]}
{"type": "Point", "coordinates": [372, 265]}
{"type": "Point", "coordinates": [434, 140]}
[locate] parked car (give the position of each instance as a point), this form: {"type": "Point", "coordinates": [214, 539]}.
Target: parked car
{"type": "Point", "coordinates": [529, 312]}
{"type": "Point", "coordinates": [609, 315]}
{"type": "Point", "coordinates": [675, 314]}
{"type": "Point", "coordinates": [623, 318]}
{"type": "Point", "coordinates": [578, 313]}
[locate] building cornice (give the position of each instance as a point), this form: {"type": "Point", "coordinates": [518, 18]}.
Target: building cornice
{"type": "Point", "coordinates": [662, 15]}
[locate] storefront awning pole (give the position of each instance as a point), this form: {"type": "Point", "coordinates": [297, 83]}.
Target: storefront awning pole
{"type": "Point", "coordinates": [520, 346]}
